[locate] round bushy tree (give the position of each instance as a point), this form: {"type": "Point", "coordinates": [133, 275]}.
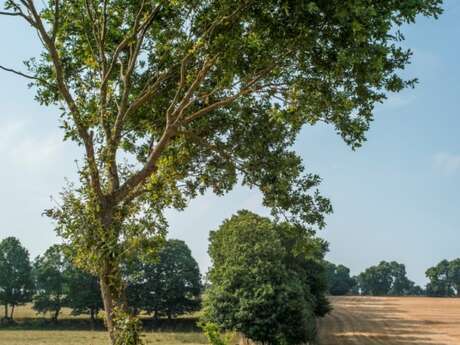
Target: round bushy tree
{"type": "Point", "coordinates": [339, 280]}
{"type": "Point", "coordinates": [170, 285]}
{"type": "Point", "coordinates": [267, 280]}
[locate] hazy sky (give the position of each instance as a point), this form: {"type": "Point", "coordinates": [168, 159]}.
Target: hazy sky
{"type": "Point", "coordinates": [397, 198]}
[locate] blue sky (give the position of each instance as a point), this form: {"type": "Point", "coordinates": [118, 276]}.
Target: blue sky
{"type": "Point", "coordinates": [396, 198]}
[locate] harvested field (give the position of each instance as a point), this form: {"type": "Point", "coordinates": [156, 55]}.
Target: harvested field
{"type": "Point", "coordinates": [392, 321]}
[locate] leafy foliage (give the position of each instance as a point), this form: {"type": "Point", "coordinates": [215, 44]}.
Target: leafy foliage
{"type": "Point", "coordinates": [83, 293]}
{"type": "Point", "coordinates": [444, 279]}
{"type": "Point", "coordinates": [215, 337]}
{"type": "Point", "coordinates": [267, 280]}
{"type": "Point", "coordinates": [50, 281]}
{"type": "Point", "coordinates": [170, 285]}
{"type": "Point", "coordinates": [387, 278]}
{"type": "Point", "coordinates": [339, 280]}
{"type": "Point", "coordinates": [16, 285]}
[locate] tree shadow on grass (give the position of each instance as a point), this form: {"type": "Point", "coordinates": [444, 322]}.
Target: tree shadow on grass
{"type": "Point", "coordinates": [185, 324]}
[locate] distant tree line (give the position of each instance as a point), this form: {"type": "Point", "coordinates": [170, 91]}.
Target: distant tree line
{"type": "Point", "coordinates": [168, 285]}
{"type": "Point", "coordinates": [390, 279]}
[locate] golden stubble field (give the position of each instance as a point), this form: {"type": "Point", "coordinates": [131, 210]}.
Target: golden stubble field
{"type": "Point", "coordinates": [392, 321]}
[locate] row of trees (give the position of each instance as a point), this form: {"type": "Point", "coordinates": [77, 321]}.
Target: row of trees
{"type": "Point", "coordinates": [169, 285]}
{"type": "Point", "coordinates": [390, 279]}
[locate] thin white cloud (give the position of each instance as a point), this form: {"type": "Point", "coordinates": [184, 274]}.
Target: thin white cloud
{"type": "Point", "coordinates": [447, 163]}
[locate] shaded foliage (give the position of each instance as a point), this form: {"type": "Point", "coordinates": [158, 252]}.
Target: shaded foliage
{"type": "Point", "coordinates": [338, 279]}
{"type": "Point", "coordinates": [50, 281]}
{"type": "Point", "coordinates": [267, 280]}
{"type": "Point", "coordinates": [168, 285]}
{"type": "Point", "coordinates": [444, 279]}
{"type": "Point", "coordinates": [387, 279]}
{"type": "Point", "coordinates": [16, 284]}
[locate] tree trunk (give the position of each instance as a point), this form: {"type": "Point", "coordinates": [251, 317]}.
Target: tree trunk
{"type": "Point", "coordinates": [113, 289]}
{"type": "Point", "coordinates": [56, 315]}
{"type": "Point", "coordinates": [6, 310]}
{"type": "Point", "coordinates": [12, 312]}
{"type": "Point", "coordinates": [108, 302]}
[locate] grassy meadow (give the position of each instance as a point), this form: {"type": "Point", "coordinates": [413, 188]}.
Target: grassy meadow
{"type": "Point", "coordinates": [31, 328]}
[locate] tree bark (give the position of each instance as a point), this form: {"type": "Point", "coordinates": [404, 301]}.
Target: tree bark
{"type": "Point", "coordinates": [6, 310]}
{"type": "Point", "coordinates": [56, 315]}
{"type": "Point", "coordinates": [12, 312]}
{"type": "Point", "coordinates": [108, 302]}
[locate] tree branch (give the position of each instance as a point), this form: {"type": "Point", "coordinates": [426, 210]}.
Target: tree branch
{"type": "Point", "coordinates": [24, 75]}
{"type": "Point", "coordinates": [60, 78]}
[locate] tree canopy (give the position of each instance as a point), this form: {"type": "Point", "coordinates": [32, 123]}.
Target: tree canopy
{"type": "Point", "coordinates": [50, 281]}
{"type": "Point", "coordinates": [387, 278]}
{"type": "Point", "coordinates": [338, 279]}
{"type": "Point", "coordinates": [16, 284]}
{"type": "Point", "coordinates": [170, 285]}
{"type": "Point", "coordinates": [267, 280]}
{"type": "Point", "coordinates": [83, 293]}
{"type": "Point", "coordinates": [444, 279]}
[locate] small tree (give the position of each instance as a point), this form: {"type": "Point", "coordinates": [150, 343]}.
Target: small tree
{"type": "Point", "coordinates": [16, 284]}
{"type": "Point", "coordinates": [50, 281]}
{"type": "Point", "coordinates": [83, 293]}
{"type": "Point", "coordinates": [171, 285]}
{"type": "Point", "coordinates": [339, 280]}
{"type": "Point", "coordinates": [267, 280]}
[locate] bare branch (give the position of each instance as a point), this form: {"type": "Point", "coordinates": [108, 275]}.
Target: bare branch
{"type": "Point", "coordinates": [13, 14]}
{"type": "Point", "coordinates": [28, 76]}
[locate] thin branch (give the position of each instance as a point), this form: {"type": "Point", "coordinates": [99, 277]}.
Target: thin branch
{"type": "Point", "coordinates": [64, 90]}
{"type": "Point", "coordinates": [24, 75]}
{"type": "Point", "coordinates": [13, 14]}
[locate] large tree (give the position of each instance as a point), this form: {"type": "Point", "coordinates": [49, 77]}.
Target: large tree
{"type": "Point", "coordinates": [386, 278]}
{"type": "Point", "coordinates": [338, 279]}
{"type": "Point", "coordinates": [444, 279]}
{"type": "Point", "coordinates": [170, 98]}
{"type": "Point", "coordinates": [51, 281]}
{"type": "Point", "coordinates": [267, 280]}
{"type": "Point", "coordinates": [170, 285]}
{"type": "Point", "coordinates": [16, 284]}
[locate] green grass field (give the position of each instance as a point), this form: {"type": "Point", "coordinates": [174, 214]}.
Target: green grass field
{"type": "Point", "coordinates": [46, 337]}
{"type": "Point", "coordinates": [33, 329]}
